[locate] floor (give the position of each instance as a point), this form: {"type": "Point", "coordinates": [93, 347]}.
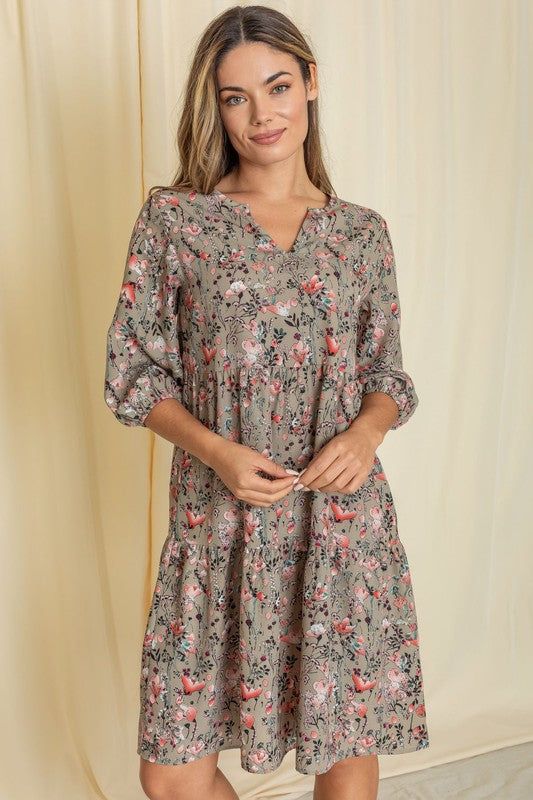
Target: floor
{"type": "Point", "coordinates": [505, 774]}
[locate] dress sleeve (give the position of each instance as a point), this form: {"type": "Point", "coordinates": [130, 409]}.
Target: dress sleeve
{"type": "Point", "coordinates": [379, 352]}
{"type": "Point", "coordinates": [143, 354]}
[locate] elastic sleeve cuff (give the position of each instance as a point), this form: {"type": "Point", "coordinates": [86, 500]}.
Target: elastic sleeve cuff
{"type": "Point", "coordinates": [152, 386]}
{"type": "Point", "coordinates": [400, 388]}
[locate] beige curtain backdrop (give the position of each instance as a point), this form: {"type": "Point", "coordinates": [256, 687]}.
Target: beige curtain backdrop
{"type": "Point", "coordinates": [427, 117]}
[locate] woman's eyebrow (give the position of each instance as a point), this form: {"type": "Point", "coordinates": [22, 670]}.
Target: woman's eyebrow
{"type": "Point", "coordinates": [265, 83]}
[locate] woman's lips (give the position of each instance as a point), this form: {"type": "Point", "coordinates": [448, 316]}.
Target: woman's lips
{"type": "Point", "coordinates": [270, 139]}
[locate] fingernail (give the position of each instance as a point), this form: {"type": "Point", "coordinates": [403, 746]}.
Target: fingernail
{"type": "Point", "coordinates": [291, 471]}
{"type": "Point", "coordinates": [299, 486]}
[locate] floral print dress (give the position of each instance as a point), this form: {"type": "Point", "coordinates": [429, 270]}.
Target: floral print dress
{"type": "Point", "coordinates": [292, 626]}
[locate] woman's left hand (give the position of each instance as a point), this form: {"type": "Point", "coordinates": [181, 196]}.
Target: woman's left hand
{"type": "Point", "coordinates": [344, 463]}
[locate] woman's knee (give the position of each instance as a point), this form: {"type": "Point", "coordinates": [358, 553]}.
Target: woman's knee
{"type": "Point", "coordinates": [348, 779]}
{"type": "Point", "coordinates": [353, 762]}
{"type": "Point", "coordinates": [177, 781]}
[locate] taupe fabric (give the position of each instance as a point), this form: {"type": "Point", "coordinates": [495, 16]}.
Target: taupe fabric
{"type": "Point", "coordinates": [292, 626]}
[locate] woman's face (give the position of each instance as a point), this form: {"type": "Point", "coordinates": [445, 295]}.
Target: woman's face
{"type": "Point", "coordinates": [266, 93]}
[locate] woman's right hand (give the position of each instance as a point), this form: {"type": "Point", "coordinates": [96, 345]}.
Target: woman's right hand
{"type": "Point", "coordinates": [238, 465]}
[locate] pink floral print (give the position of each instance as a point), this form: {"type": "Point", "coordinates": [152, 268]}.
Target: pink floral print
{"type": "Point", "coordinates": [293, 626]}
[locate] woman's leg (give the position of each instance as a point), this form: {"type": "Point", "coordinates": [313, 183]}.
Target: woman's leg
{"type": "Point", "coordinates": [197, 780]}
{"type": "Point", "coordinates": [354, 778]}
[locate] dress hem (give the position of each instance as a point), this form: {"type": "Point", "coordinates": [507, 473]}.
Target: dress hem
{"type": "Point", "coordinates": [409, 748]}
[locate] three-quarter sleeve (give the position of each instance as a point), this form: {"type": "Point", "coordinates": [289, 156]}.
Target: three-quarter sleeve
{"type": "Point", "coordinates": [143, 364]}
{"type": "Point", "coordinates": [379, 351]}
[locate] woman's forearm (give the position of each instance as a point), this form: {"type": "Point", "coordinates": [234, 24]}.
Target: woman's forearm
{"type": "Point", "coordinates": [377, 413]}
{"type": "Point", "coordinates": [171, 420]}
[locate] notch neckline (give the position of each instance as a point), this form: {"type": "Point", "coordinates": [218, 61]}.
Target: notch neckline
{"type": "Point", "coordinates": [314, 216]}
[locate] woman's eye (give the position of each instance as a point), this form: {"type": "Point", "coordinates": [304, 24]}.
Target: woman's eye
{"type": "Point", "coordinates": [234, 97]}
{"type": "Point", "coordinates": [229, 103]}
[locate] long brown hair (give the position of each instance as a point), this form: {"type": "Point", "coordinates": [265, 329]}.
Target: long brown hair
{"type": "Point", "coordinates": [205, 151]}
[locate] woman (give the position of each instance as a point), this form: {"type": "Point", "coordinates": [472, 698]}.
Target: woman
{"type": "Point", "coordinates": [257, 329]}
